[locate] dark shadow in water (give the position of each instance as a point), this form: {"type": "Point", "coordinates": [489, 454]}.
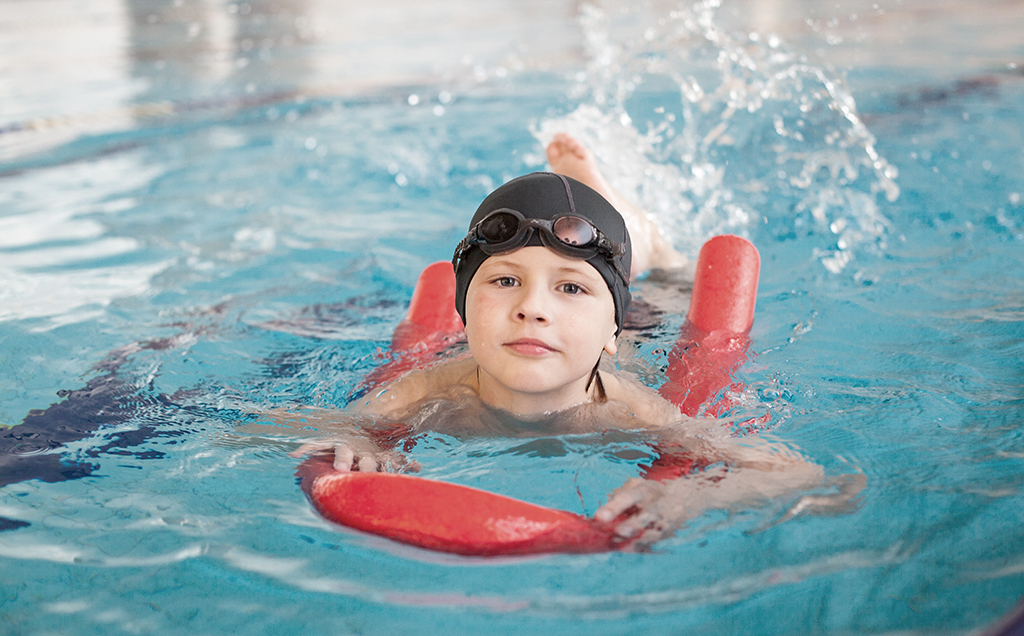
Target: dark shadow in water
{"type": "Point", "coordinates": [37, 447]}
{"type": "Point", "coordinates": [32, 449]}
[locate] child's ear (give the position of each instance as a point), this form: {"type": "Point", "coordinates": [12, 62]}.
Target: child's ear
{"type": "Point", "coordinates": [610, 347]}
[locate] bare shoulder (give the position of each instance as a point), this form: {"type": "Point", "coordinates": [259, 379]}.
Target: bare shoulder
{"type": "Point", "coordinates": [395, 398]}
{"type": "Point", "coordinates": [643, 402]}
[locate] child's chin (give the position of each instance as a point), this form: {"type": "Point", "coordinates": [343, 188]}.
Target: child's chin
{"type": "Point", "coordinates": [537, 389]}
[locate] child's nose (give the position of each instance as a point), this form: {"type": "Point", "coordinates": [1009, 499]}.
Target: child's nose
{"type": "Point", "coordinates": [523, 315]}
{"type": "Point", "coordinates": [532, 306]}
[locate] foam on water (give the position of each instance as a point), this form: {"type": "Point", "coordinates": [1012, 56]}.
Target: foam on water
{"type": "Point", "coordinates": [714, 132]}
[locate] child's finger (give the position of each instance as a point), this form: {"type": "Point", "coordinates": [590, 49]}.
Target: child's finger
{"type": "Point", "coordinates": [631, 494]}
{"type": "Point", "coordinates": [367, 464]}
{"type": "Point", "coordinates": [629, 528]}
{"type": "Point", "coordinates": [615, 506]}
{"type": "Point", "coordinates": [343, 457]}
{"type": "Point", "coordinates": [649, 522]}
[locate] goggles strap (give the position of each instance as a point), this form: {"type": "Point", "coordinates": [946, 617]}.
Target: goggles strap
{"type": "Point", "coordinates": [594, 375]}
{"type": "Point", "coordinates": [568, 194]}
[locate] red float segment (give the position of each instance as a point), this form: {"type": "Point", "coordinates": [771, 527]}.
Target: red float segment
{"type": "Point", "coordinates": [431, 310]}
{"type": "Point", "coordinates": [700, 366]}
{"type": "Point", "coordinates": [448, 517]}
{"type": "Point", "coordinates": [725, 285]}
{"type": "Point", "coordinates": [430, 326]}
{"type": "Point", "coordinates": [713, 342]}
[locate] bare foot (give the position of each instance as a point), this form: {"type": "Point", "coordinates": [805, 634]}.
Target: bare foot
{"type": "Point", "coordinates": [569, 157]}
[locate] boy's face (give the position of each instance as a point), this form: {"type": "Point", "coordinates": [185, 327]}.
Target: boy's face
{"type": "Point", "coordinates": [536, 323]}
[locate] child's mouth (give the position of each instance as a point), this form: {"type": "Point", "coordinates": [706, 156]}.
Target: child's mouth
{"type": "Point", "coordinates": [530, 347]}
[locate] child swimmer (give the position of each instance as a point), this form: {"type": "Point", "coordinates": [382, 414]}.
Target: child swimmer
{"type": "Point", "coordinates": [542, 287]}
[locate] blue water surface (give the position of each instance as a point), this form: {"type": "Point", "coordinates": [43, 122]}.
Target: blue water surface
{"type": "Point", "coordinates": [227, 250]}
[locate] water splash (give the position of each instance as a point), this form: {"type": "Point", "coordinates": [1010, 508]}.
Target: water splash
{"type": "Point", "coordinates": [714, 132]}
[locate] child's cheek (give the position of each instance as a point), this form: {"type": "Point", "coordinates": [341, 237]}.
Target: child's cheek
{"type": "Point", "coordinates": [484, 309]}
{"type": "Point", "coordinates": [482, 312]}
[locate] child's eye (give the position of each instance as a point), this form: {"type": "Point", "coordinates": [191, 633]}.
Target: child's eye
{"type": "Point", "coordinates": [572, 288]}
{"type": "Point", "coordinates": [506, 281]}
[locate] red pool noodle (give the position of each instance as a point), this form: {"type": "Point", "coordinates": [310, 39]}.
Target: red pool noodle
{"type": "Point", "coordinates": [448, 517]}
{"type": "Point", "coordinates": [725, 285]}
{"type": "Point", "coordinates": [713, 342]}
{"type": "Point", "coordinates": [431, 311]}
{"type": "Point", "coordinates": [430, 326]}
{"type": "Point", "coordinates": [461, 520]}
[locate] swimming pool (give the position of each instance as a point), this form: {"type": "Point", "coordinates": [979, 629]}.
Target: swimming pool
{"type": "Point", "coordinates": [212, 209]}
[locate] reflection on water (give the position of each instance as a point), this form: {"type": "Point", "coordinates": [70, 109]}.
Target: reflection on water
{"type": "Point", "coordinates": [60, 261]}
{"type": "Point", "coordinates": [140, 59]}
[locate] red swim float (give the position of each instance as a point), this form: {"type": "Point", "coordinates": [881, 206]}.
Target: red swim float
{"type": "Point", "coordinates": [462, 520]}
{"type": "Point", "coordinates": [447, 517]}
{"type": "Point", "coordinates": [713, 342]}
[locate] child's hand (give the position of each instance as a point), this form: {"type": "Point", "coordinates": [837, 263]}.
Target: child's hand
{"type": "Point", "coordinates": [643, 507]}
{"type": "Point", "coordinates": [354, 456]}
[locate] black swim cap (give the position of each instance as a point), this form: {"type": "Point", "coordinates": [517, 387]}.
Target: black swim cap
{"type": "Point", "coordinates": [545, 195]}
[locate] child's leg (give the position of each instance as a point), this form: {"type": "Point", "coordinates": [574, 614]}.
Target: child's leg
{"type": "Point", "coordinates": [650, 249]}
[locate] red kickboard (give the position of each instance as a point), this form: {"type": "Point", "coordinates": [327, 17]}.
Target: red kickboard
{"type": "Point", "coordinates": [448, 517]}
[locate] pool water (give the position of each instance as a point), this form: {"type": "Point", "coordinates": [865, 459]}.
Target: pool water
{"type": "Point", "coordinates": [208, 210]}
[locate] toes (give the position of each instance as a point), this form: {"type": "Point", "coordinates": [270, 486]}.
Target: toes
{"type": "Point", "coordinates": [563, 144]}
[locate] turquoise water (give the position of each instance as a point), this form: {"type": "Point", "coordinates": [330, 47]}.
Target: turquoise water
{"type": "Point", "coordinates": [252, 242]}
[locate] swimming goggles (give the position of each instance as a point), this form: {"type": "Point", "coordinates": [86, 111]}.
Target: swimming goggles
{"type": "Point", "coordinates": [505, 230]}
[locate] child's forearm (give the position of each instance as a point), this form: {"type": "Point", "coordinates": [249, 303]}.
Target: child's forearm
{"type": "Point", "coordinates": [731, 475]}
{"type": "Point", "coordinates": [350, 439]}
{"type": "Point", "coordinates": [306, 422]}
{"type": "Point", "coordinates": [718, 487]}
{"type": "Point", "coordinates": [730, 487]}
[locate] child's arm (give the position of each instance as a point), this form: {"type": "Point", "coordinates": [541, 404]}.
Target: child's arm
{"type": "Point", "coordinates": [738, 473]}
{"type": "Point", "coordinates": [355, 441]}
{"type": "Point", "coordinates": [358, 435]}
{"type": "Point", "coordinates": [392, 400]}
